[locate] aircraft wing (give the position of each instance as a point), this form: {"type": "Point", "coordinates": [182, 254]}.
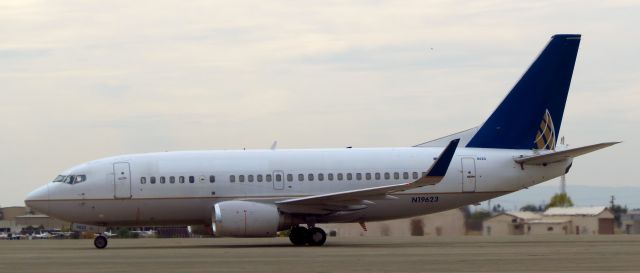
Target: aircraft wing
{"type": "Point", "coordinates": [561, 155]}
{"type": "Point", "coordinates": [358, 199]}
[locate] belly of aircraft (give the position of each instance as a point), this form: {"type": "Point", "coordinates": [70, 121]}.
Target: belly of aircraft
{"type": "Point", "coordinates": [198, 211]}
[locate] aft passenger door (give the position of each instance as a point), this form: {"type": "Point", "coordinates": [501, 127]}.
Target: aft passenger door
{"type": "Point", "coordinates": [278, 180]}
{"type": "Point", "coordinates": [468, 174]}
{"type": "Point", "coordinates": [121, 180]}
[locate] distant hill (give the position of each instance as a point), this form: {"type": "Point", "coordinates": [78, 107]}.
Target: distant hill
{"type": "Point", "coordinates": [581, 196]}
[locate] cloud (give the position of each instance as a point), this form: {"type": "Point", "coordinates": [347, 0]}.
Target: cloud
{"type": "Point", "coordinates": [83, 80]}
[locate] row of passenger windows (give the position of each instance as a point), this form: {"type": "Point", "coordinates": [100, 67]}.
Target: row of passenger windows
{"type": "Point", "coordinates": [289, 177]}
{"type": "Point", "coordinates": [327, 176]}
{"type": "Point", "coordinates": [179, 179]}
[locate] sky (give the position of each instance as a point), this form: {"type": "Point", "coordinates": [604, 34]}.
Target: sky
{"type": "Point", "coordinates": [81, 80]}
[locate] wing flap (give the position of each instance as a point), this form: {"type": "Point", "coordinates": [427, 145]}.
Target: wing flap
{"type": "Point", "coordinates": [562, 155]}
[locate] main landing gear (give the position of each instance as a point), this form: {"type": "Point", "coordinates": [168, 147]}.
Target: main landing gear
{"type": "Point", "coordinates": [312, 236]}
{"type": "Point", "coordinates": [100, 242]}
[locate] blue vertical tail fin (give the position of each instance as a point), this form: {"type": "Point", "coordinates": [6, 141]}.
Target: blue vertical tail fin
{"type": "Point", "coordinates": [531, 114]}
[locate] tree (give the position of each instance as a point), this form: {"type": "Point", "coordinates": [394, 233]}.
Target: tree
{"type": "Point", "coordinates": [124, 233]}
{"type": "Point", "coordinates": [560, 200]}
{"type": "Point", "coordinates": [480, 215]}
{"type": "Point", "coordinates": [532, 208]}
{"type": "Point", "coordinates": [617, 211]}
{"type": "Point", "coordinates": [473, 221]}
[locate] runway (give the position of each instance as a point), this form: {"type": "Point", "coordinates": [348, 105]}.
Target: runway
{"type": "Point", "coordinates": [617, 253]}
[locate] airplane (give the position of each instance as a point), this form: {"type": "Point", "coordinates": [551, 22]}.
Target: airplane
{"type": "Point", "coordinates": [258, 193]}
{"type": "Point", "coordinates": [41, 235]}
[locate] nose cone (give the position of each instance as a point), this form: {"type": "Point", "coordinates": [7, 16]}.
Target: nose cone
{"type": "Point", "coordinates": [39, 199]}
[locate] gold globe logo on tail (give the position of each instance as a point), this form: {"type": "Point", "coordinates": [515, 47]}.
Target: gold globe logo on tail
{"type": "Point", "coordinates": [546, 136]}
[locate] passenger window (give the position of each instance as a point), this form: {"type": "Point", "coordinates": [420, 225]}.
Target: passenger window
{"type": "Point", "coordinates": [387, 176]}
{"type": "Point", "coordinates": [415, 175]}
{"type": "Point", "coordinates": [162, 180]}
{"type": "Point", "coordinates": [424, 174]}
{"type": "Point", "coordinates": [259, 177]}
{"type": "Point", "coordinates": [320, 177]}
{"type": "Point", "coordinates": [330, 176]}
{"type": "Point", "coordinates": [268, 177]}
{"type": "Point", "coordinates": [310, 177]}
{"type": "Point", "coordinates": [301, 177]}
{"type": "Point", "coordinates": [143, 180]}
{"type": "Point", "coordinates": [368, 176]}
{"type": "Point", "coordinates": [289, 177]}
{"type": "Point", "coordinates": [396, 175]}
{"type": "Point", "coordinates": [359, 176]}
{"type": "Point", "coordinates": [232, 178]}
{"type": "Point", "coordinates": [153, 180]}
{"type": "Point", "coordinates": [278, 177]}
{"type": "Point", "coordinates": [250, 178]}
{"type": "Point", "coordinates": [349, 176]}
{"type": "Point", "coordinates": [340, 176]}
{"type": "Point", "coordinates": [181, 179]}
{"type": "Point", "coordinates": [405, 175]}
{"type": "Point", "coordinates": [212, 179]}
{"type": "Point", "coordinates": [377, 176]}
{"type": "Point", "coordinates": [241, 178]}
{"type": "Point", "coordinates": [172, 179]}
{"type": "Point", "coordinates": [192, 179]}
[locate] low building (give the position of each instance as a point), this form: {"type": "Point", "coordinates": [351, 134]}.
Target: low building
{"type": "Point", "coordinates": [509, 223]}
{"type": "Point", "coordinates": [446, 223]}
{"type": "Point", "coordinates": [16, 218]}
{"type": "Point", "coordinates": [41, 220]}
{"type": "Point", "coordinates": [584, 220]}
{"type": "Point", "coordinates": [10, 213]}
{"type": "Point", "coordinates": [8, 219]}
{"type": "Point", "coordinates": [631, 222]}
{"type": "Point", "coordinates": [575, 220]}
{"type": "Point", "coordinates": [9, 226]}
{"type": "Point", "coordinates": [547, 226]}
{"type": "Point", "coordinates": [87, 228]}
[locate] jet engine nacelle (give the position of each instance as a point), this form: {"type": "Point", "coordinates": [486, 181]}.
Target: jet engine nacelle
{"type": "Point", "coordinates": [246, 219]}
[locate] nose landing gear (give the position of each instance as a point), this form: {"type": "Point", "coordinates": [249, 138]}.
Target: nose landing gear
{"type": "Point", "coordinates": [312, 236]}
{"type": "Point", "coordinates": [100, 242]}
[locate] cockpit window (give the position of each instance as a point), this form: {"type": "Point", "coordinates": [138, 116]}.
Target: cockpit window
{"type": "Point", "coordinates": [80, 178]}
{"type": "Point", "coordinates": [59, 178]}
{"type": "Point", "coordinates": [71, 179]}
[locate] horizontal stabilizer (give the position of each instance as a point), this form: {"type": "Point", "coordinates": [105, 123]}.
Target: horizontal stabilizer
{"type": "Point", "coordinates": [464, 137]}
{"type": "Point", "coordinates": [562, 155]}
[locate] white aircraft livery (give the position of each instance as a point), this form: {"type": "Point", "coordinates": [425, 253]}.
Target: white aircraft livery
{"type": "Point", "coordinates": [257, 193]}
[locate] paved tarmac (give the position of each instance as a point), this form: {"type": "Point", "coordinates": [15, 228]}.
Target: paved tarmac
{"type": "Point", "coordinates": [618, 253]}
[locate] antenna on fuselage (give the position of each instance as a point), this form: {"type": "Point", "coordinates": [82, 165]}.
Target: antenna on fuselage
{"type": "Point", "coordinates": [274, 145]}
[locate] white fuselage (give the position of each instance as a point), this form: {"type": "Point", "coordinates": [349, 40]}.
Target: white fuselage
{"type": "Point", "coordinates": [119, 190]}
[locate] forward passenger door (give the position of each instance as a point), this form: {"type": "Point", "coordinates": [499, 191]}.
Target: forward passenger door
{"type": "Point", "coordinates": [121, 180]}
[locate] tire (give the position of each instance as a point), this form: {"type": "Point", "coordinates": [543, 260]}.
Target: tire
{"type": "Point", "coordinates": [100, 242]}
{"type": "Point", "coordinates": [298, 236]}
{"type": "Point", "coordinates": [316, 236]}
